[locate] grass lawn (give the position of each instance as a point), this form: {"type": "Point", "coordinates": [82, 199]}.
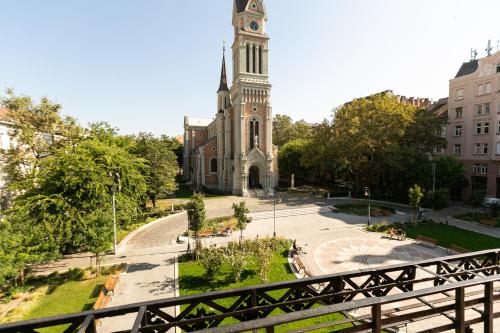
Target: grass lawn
{"type": "Point", "coordinates": [192, 281]}
{"type": "Point", "coordinates": [362, 209]}
{"type": "Point", "coordinates": [472, 217]}
{"type": "Point", "coordinates": [447, 234]}
{"type": "Point", "coordinates": [73, 296]}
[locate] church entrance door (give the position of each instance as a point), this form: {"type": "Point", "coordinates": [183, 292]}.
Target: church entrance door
{"type": "Point", "coordinates": [253, 179]}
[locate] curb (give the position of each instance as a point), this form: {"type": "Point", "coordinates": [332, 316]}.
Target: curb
{"type": "Point", "coordinates": [122, 245]}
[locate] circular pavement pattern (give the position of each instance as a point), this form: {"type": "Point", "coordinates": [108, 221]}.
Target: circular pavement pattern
{"type": "Point", "coordinates": [349, 254]}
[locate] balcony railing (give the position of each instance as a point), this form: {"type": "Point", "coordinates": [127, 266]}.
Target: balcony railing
{"type": "Point", "coordinates": [381, 298]}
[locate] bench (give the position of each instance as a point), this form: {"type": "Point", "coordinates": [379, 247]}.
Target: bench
{"type": "Point", "coordinates": [488, 222]}
{"type": "Point", "coordinates": [427, 240]}
{"type": "Point", "coordinates": [396, 233]}
{"type": "Point", "coordinates": [453, 248]}
{"type": "Point", "coordinates": [110, 284]}
{"type": "Point", "coordinates": [101, 302]}
{"type": "Point", "coordinates": [299, 264]}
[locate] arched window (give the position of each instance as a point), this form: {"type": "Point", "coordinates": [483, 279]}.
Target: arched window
{"type": "Point", "coordinates": [254, 133]}
{"type": "Point", "coordinates": [248, 58]}
{"type": "Point", "coordinates": [260, 59]}
{"type": "Point", "coordinates": [213, 165]}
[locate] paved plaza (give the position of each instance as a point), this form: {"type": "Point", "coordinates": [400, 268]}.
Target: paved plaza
{"type": "Point", "coordinates": [332, 243]}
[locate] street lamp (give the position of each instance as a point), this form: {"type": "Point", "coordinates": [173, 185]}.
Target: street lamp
{"type": "Point", "coordinates": [367, 194]}
{"type": "Point", "coordinates": [116, 180]}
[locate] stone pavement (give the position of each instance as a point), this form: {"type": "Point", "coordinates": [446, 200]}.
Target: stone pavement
{"type": "Point", "coordinates": [333, 242]}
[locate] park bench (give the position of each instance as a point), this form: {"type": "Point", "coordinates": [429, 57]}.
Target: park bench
{"type": "Point", "coordinates": [453, 248]}
{"type": "Point", "coordinates": [427, 240]}
{"type": "Point", "coordinates": [396, 233]}
{"type": "Point", "coordinates": [110, 284]}
{"type": "Point", "coordinates": [299, 264]}
{"type": "Point", "coordinates": [488, 222]}
{"type": "Point", "coordinates": [101, 302]}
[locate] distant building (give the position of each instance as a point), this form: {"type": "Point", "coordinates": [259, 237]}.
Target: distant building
{"type": "Point", "coordinates": [5, 143]}
{"type": "Point", "coordinates": [474, 122]}
{"type": "Point", "coordinates": [233, 152]}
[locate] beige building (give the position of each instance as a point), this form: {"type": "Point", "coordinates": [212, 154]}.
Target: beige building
{"type": "Point", "coordinates": [6, 127]}
{"type": "Point", "coordinates": [473, 131]}
{"type": "Point", "coordinates": [233, 151]}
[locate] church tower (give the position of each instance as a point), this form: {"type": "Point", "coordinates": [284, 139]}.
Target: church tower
{"type": "Point", "coordinates": [255, 157]}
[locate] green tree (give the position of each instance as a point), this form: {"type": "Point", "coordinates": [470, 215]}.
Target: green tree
{"type": "Point", "coordinates": [415, 196]}
{"type": "Point", "coordinates": [211, 259]}
{"type": "Point", "coordinates": [285, 130]}
{"type": "Point", "coordinates": [196, 213]}
{"type": "Point", "coordinates": [476, 200]}
{"type": "Point", "coordinates": [73, 183]}
{"type": "Point", "coordinates": [290, 156]}
{"type": "Point", "coordinates": [241, 214]}
{"type": "Point", "coordinates": [39, 130]}
{"type": "Point", "coordinates": [99, 235]}
{"type": "Point", "coordinates": [162, 161]}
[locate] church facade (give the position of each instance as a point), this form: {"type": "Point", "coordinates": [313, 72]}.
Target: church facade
{"type": "Point", "coordinates": [233, 152]}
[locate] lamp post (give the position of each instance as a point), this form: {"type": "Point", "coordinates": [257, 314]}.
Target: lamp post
{"type": "Point", "coordinates": [116, 179]}
{"type": "Point", "coordinates": [367, 194]}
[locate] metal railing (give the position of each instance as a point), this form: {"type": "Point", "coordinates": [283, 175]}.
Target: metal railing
{"type": "Point", "coordinates": [467, 281]}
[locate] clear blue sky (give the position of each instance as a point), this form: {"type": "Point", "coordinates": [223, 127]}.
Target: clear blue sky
{"type": "Point", "coordinates": [143, 65]}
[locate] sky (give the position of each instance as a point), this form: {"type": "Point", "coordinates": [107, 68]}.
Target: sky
{"type": "Point", "coordinates": [142, 65]}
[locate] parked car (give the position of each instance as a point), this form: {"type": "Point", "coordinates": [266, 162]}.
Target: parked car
{"type": "Point", "coordinates": [489, 200]}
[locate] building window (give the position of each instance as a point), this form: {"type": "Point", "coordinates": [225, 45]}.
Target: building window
{"type": "Point", "coordinates": [254, 58]}
{"type": "Point", "coordinates": [480, 89]}
{"type": "Point", "coordinates": [481, 148]}
{"type": "Point", "coordinates": [254, 134]}
{"type": "Point", "coordinates": [478, 109]}
{"type": "Point", "coordinates": [459, 94]}
{"type": "Point", "coordinates": [487, 88]}
{"type": "Point", "coordinates": [478, 128]}
{"type": "Point", "coordinates": [497, 150]}
{"type": "Point", "coordinates": [487, 107]}
{"type": "Point", "coordinates": [213, 165]}
{"type": "Point", "coordinates": [458, 112]}
{"type": "Point", "coordinates": [458, 130]}
{"type": "Point", "coordinates": [480, 169]}
{"type": "Point", "coordinates": [260, 59]}
{"type": "Point", "coordinates": [498, 68]}
{"type": "Point", "coordinates": [248, 58]}
{"type": "Point", "coordinates": [457, 149]}
{"type": "Point", "coordinates": [486, 128]}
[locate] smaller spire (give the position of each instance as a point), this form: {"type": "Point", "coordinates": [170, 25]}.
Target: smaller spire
{"type": "Point", "coordinates": [223, 77]}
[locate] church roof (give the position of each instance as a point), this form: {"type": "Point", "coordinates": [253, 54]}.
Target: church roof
{"type": "Point", "coordinates": [223, 76]}
{"type": "Point", "coordinates": [467, 68]}
{"type": "Point", "coordinates": [241, 5]}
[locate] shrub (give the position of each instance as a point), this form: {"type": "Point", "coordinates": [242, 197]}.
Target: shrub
{"type": "Point", "coordinates": [237, 258]}
{"type": "Point", "coordinates": [211, 259]}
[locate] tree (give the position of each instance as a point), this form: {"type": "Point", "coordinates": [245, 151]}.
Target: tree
{"type": "Point", "coordinates": [196, 213]}
{"type": "Point", "coordinates": [99, 235]}
{"type": "Point", "coordinates": [476, 200]}
{"type": "Point", "coordinates": [285, 130]}
{"type": "Point", "coordinates": [162, 161]}
{"type": "Point", "coordinates": [290, 156]}
{"type": "Point", "coordinates": [415, 195]}
{"type": "Point", "coordinates": [73, 183]}
{"type": "Point", "coordinates": [240, 213]}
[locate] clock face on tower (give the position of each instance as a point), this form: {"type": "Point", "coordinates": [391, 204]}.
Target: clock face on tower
{"type": "Point", "coordinates": [254, 26]}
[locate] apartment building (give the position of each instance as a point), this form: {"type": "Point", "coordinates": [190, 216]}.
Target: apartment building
{"type": "Point", "coordinates": [473, 132]}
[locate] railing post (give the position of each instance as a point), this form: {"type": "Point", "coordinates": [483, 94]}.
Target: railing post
{"type": "Point", "coordinates": [270, 329]}
{"type": "Point", "coordinates": [488, 307]}
{"type": "Point", "coordinates": [460, 310]}
{"type": "Point", "coordinates": [377, 318]}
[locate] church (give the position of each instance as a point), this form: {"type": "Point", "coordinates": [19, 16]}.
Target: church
{"type": "Point", "coordinates": [233, 152]}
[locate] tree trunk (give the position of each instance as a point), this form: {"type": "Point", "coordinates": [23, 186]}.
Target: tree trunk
{"type": "Point", "coordinates": [22, 277]}
{"type": "Point", "coordinates": [97, 265]}
{"type": "Point", "coordinates": [153, 200]}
